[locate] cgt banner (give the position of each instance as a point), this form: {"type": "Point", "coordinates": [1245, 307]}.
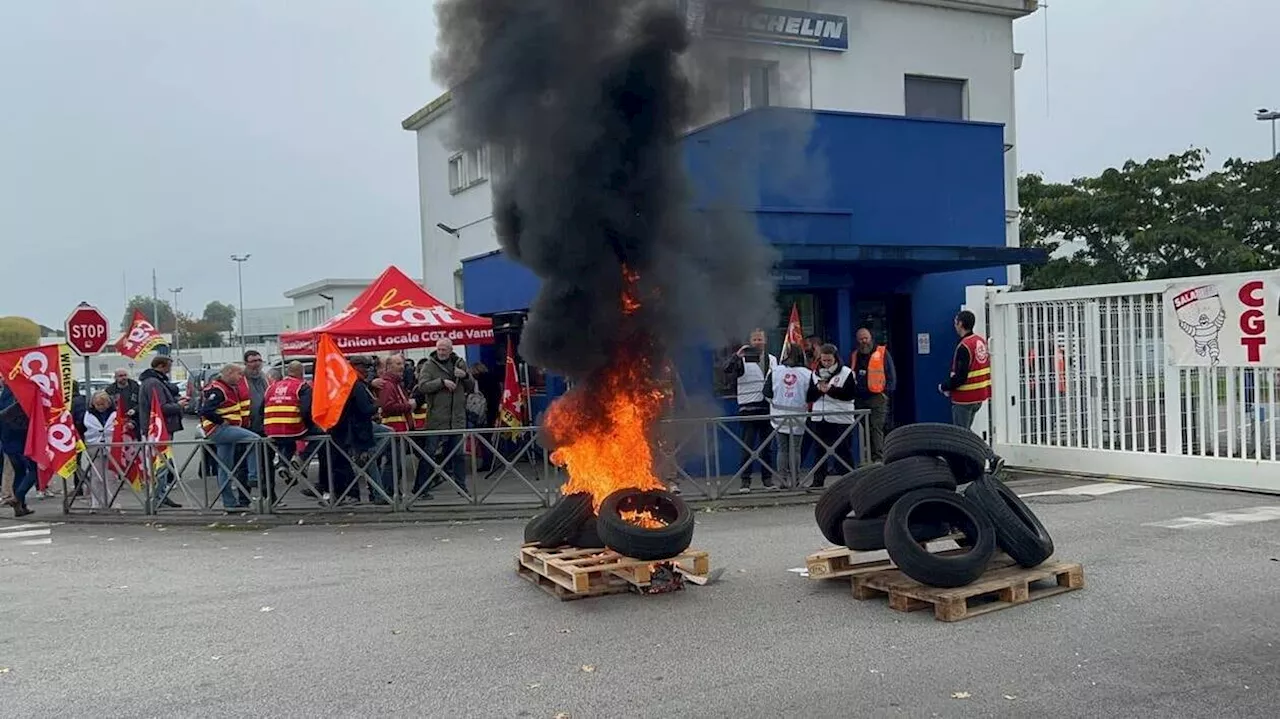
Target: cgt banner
{"type": "Point", "coordinates": [40, 378]}
{"type": "Point", "coordinates": [1231, 321]}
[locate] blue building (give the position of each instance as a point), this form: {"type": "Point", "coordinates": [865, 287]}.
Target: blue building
{"type": "Point", "coordinates": [879, 221]}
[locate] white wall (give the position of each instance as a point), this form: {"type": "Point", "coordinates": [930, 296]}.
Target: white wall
{"type": "Point", "coordinates": [888, 39]}
{"type": "Point", "coordinates": [311, 309]}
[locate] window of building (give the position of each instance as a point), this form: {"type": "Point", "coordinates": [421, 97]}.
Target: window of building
{"type": "Point", "coordinates": [935, 97]}
{"type": "Point", "coordinates": [752, 83]}
{"type": "Point", "coordinates": [468, 168]}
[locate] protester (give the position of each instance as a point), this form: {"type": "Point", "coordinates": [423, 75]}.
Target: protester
{"type": "Point", "coordinates": [969, 384]}
{"type": "Point", "coordinates": [257, 383]}
{"type": "Point", "coordinates": [13, 441]}
{"type": "Point", "coordinates": [832, 393]}
{"type": "Point", "coordinates": [750, 364]}
{"type": "Point", "coordinates": [396, 409]}
{"type": "Point", "coordinates": [287, 420]}
{"type": "Point", "coordinates": [100, 424]}
{"type": "Point", "coordinates": [128, 388]}
{"type": "Point", "coordinates": [223, 420]}
{"type": "Point", "coordinates": [354, 433]}
{"type": "Point", "coordinates": [787, 389]}
{"type": "Point", "coordinates": [488, 386]}
{"type": "Point", "coordinates": [444, 382]}
{"type": "Point", "coordinates": [876, 380]}
{"type": "Point", "coordinates": [155, 382]}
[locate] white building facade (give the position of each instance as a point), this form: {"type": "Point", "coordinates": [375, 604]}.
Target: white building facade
{"type": "Point", "coordinates": [947, 59]}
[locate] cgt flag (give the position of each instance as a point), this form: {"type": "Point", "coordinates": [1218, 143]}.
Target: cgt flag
{"type": "Point", "coordinates": [40, 380]}
{"type": "Point", "coordinates": [158, 435]}
{"type": "Point", "coordinates": [141, 338]}
{"type": "Point", "coordinates": [126, 460]}
{"type": "Point", "coordinates": [794, 338]}
{"type": "Point", "coordinates": [511, 410]}
{"type": "Point", "coordinates": [334, 379]}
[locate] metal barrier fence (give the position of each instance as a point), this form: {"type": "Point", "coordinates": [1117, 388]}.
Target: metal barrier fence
{"type": "Point", "coordinates": [416, 471]}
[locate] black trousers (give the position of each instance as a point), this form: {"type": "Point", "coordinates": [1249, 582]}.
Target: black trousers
{"type": "Point", "coordinates": [755, 433]}
{"type": "Point", "coordinates": [842, 449]}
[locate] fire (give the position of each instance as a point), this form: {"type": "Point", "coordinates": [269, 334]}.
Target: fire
{"type": "Point", "coordinates": [602, 429]}
{"type": "Point", "coordinates": [643, 518]}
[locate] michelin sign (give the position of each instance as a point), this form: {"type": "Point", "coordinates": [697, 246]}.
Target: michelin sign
{"type": "Point", "coordinates": [775, 26]}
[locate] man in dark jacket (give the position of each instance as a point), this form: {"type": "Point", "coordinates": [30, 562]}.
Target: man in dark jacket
{"type": "Point", "coordinates": [155, 382]}
{"type": "Point", "coordinates": [354, 433]}
{"type": "Point", "coordinates": [445, 383]}
{"type": "Point", "coordinates": [128, 388]}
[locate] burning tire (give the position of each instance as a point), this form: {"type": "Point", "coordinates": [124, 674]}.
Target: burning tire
{"type": "Point", "coordinates": [877, 493]}
{"type": "Point", "coordinates": [865, 535]}
{"type": "Point", "coordinates": [834, 505]}
{"type": "Point", "coordinates": [946, 507]}
{"type": "Point", "coordinates": [556, 526]}
{"type": "Point", "coordinates": [964, 451]}
{"type": "Point", "coordinates": [588, 536]}
{"type": "Point", "coordinates": [645, 524]}
{"type": "Point", "coordinates": [1018, 530]}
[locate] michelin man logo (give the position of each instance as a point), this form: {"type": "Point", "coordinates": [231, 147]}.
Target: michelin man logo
{"type": "Point", "coordinates": [1201, 315]}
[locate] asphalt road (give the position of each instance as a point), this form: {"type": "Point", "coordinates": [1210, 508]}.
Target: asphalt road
{"type": "Point", "coordinates": [1178, 620]}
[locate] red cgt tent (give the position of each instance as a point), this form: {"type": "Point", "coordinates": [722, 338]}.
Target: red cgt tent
{"type": "Point", "coordinates": [393, 313]}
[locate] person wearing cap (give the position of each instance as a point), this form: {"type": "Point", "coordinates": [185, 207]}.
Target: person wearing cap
{"type": "Point", "coordinates": [355, 435]}
{"type": "Point", "coordinates": [155, 382]}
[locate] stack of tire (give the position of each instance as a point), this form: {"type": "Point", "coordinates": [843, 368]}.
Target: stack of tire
{"type": "Point", "coordinates": [571, 522]}
{"type": "Point", "coordinates": [933, 483]}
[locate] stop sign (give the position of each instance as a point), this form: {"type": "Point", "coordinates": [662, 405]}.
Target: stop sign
{"type": "Point", "coordinates": [87, 329]}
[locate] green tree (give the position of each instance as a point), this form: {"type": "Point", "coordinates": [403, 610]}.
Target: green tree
{"type": "Point", "coordinates": [197, 333]}
{"type": "Point", "coordinates": [143, 303]}
{"type": "Point", "coordinates": [1165, 217]}
{"type": "Point", "coordinates": [220, 315]}
{"type": "Point", "coordinates": [18, 332]}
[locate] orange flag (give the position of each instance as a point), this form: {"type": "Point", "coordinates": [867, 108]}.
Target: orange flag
{"type": "Point", "coordinates": [795, 334]}
{"type": "Point", "coordinates": [333, 382]}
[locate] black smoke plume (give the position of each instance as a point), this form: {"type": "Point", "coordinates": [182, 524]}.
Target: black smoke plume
{"type": "Point", "coordinates": [582, 104]}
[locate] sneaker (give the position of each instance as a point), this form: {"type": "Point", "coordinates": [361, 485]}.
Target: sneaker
{"type": "Point", "coordinates": [166, 502]}
{"type": "Point", "coordinates": [744, 490]}
{"type": "Point", "coordinates": [770, 487]}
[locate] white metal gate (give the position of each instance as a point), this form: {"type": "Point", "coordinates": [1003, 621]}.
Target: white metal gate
{"type": "Point", "coordinates": [1081, 383]}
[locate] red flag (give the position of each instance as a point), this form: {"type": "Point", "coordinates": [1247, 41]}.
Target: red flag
{"type": "Point", "coordinates": [511, 410]}
{"type": "Point", "coordinates": [158, 434]}
{"type": "Point", "coordinates": [334, 379]}
{"type": "Point", "coordinates": [40, 378]}
{"type": "Point", "coordinates": [795, 335]}
{"type": "Point", "coordinates": [127, 461]}
{"type": "Point", "coordinates": [142, 337]}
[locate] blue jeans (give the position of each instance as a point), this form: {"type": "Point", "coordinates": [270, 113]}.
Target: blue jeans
{"type": "Point", "coordinates": [224, 439]}
{"type": "Point", "coordinates": [24, 476]}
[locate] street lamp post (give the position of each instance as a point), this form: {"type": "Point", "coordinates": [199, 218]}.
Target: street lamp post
{"type": "Point", "coordinates": [240, 260]}
{"type": "Point", "coordinates": [1265, 115]}
{"type": "Point", "coordinates": [175, 291]}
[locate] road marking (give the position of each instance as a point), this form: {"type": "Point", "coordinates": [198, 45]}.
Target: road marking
{"type": "Point", "coordinates": [1226, 518]}
{"type": "Point", "coordinates": [26, 534]}
{"type": "Point", "coordinates": [1087, 490]}
{"type": "Point", "coordinates": [33, 542]}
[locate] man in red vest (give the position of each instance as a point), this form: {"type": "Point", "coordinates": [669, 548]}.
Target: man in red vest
{"type": "Point", "coordinates": [287, 420]}
{"type": "Point", "coordinates": [969, 384]}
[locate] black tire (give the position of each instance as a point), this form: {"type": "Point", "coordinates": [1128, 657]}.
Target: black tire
{"type": "Point", "coordinates": [1019, 532]}
{"type": "Point", "coordinates": [834, 504]}
{"type": "Point", "coordinates": [964, 451]}
{"type": "Point", "coordinates": [556, 526]}
{"type": "Point", "coordinates": [588, 536]}
{"type": "Point", "coordinates": [877, 493]}
{"type": "Point", "coordinates": [939, 505]}
{"type": "Point", "coordinates": [864, 535]}
{"type": "Point", "coordinates": [637, 542]}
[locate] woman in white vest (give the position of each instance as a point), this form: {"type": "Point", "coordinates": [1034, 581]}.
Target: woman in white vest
{"type": "Point", "coordinates": [750, 365]}
{"type": "Point", "coordinates": [832, 394]}
{"type": "Point", "coordinates": [787, 390]}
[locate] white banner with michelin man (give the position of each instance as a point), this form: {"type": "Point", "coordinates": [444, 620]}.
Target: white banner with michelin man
{"type": "Point", "coordinates": [1231, 321]}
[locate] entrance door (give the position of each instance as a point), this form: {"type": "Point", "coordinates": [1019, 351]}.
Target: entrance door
{"type": "Point", "coordinates": [889, 319]}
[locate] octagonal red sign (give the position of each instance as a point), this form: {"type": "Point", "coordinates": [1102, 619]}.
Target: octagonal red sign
{"type": "Point", "coordinates": [88, 330]}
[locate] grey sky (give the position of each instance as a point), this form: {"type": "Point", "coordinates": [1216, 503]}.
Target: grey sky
{"type": "Point", "coordinates": [171, 133]}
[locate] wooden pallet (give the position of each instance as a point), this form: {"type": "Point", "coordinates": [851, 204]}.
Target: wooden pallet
{"type": "Point", "coordinates": [1003, 585]}
{"type": "Point", "coordinates": [837, 562]}
{"type": "Point", "coordinates": [574, 573]}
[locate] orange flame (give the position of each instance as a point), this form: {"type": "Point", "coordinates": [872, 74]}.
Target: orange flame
{"type": "Point", "coordinates": [602, 429]}
{"type": "Point", "coordinates": [642, 518]}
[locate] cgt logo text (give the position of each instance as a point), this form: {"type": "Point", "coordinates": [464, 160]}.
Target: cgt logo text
{"type": "Point", "coordinates": [390, 313]}
{"type": "Point", "coordinates": [1253, 320]}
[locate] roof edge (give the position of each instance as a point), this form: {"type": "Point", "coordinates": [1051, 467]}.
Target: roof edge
{"type": "Point", "coordinates": [428, 112]}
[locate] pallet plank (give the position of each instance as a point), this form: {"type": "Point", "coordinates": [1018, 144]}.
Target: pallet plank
{"type": "Point", "coordinates": [1009, 583]}
{"type": "Point", "coordinates": [581, 572]}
